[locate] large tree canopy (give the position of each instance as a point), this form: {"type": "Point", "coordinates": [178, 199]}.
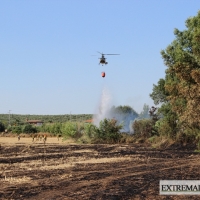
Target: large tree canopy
{"type": "Point", "coordinates": [124, 115]}
{"type": "Point", "coordinates": [124, 110]}
{"type": "Point", "coordinates": [182, 81]}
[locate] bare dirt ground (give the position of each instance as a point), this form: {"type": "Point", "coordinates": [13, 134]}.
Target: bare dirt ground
{"type": "Point", "coordinates": [32, 170]}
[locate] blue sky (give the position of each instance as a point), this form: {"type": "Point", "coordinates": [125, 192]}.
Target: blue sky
{"type": "Point", "coordinates": [46, 65]}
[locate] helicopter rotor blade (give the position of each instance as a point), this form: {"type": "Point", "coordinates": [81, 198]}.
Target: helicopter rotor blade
{"type": "Point", "coordinates": [111, 54]}
{"type": "Point", "coordinates": [107, 54]}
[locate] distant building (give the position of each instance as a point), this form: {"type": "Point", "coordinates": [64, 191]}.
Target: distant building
{"type": "Point", "coordinates": [35, 122]}
{"type": "Point", "coordinates": [88, 121]}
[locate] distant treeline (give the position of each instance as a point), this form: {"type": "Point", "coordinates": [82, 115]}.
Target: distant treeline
{"type": "Point", "coordinates": [16, 119]}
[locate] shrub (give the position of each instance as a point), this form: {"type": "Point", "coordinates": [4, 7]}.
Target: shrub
{"type": "Point", "coordinates": [127, 138]}
{"type": "Point", "coordinates": [144, 128]}
{"type": "Point", "coordinates": [89, 130]}
{"type": "Point", "coordinates": [56, 128]}
{"type": "Point", "coordinates": [71, 129]}
{"type": "Point", "coordinates": [164, 128]}
{"type": "Point", "coordinates": [44, 128]}
{"type": "Point", "coordinates": [108, 131]}
{"type": "Point", "coordinates": [2, 127]}
{"type": "Point", "coordinates": [29, 129]}
{"type": "Point", "coordinates": [17, 129]}
{"type": "Point", "coordinates": [190, 136]}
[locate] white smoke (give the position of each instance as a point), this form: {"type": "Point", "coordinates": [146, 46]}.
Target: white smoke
{"type": "Point", "coordinates": [103, 110]}
{"type": "Point", "coordinates": [131, 126]}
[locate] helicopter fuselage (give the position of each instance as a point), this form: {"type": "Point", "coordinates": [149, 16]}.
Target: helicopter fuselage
{"type": "Point", "coordinates": [103, 60]}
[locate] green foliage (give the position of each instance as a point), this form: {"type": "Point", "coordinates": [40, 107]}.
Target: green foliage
{"type": "Point", "coordinates": [144, 128]}
{"type": "Point", "coordinates": [164, 128]}
{"type": "Point", "coordinates": [90, 130]}
{"type": "Point", "coordinates": [179, 92]}
{"type": "Point", "coordinates": [17, 129]}
{"type": "Point", "coordinates": [2, 127]}
{"type": "Point", "coordinates": [191, 136]}
{"type": "Point", "coordinates": [56, 128]}
{"type": "Point", "coordinates": [108, 131]}
{"type": "Point", "coordinates": [88, 133]}
{"type": "Point", "coordinates": [170, 119]}
{"type": "Point", "coordinates": [182, 57]}
{"type": "Point", "coordinates": [153, 139]}
{"type": "Point", "coordinates": [153, 114]}
{"type": "Point", "coordinates": [28, 128]}
{"type": "Point", "coordinates": [159, 94]}
{"type": "Point", "coordinates": [127, 138]}
{"type": "Point", "coordinates": [44, 128]}
{"type": "Point", "coordinates": [53, 128]}
{"type": "Point", "coordinates": [72, 129]}
{"type": "Point", "coordinates": [9, 128]}
{"type": "Point", "coordinates": [16, 119]}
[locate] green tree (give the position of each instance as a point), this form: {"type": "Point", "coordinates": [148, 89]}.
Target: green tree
{"type": "Point", "coordinates": [124, 110]}
{"type": "Point", "coordinates": [124, 115]}
{"type": "Point", "coordinates": [179, 92]}
{"type": "Point", "coordinates": [182, 57]}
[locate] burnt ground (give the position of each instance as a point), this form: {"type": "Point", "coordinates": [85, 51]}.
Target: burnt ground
{"type": "Point", "coordinates": [70, 171]}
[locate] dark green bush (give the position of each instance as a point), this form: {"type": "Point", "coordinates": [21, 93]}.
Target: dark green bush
{"type": "Point", "coordinates": [164, 128]}
{"type": "Point", "coordinates": [16, 129]}
{"type": "Point", "coordinates": [144, 128]}
{"type": "Point", "coordinates": [2, 127]}
{"type": "Point", "coordinates": [29, 129]}
{"type": "Point", "coordinates": [108, 131]}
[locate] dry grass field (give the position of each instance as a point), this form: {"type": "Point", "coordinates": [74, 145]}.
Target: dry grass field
{"type": "Point", "coordinates": [58, 171]}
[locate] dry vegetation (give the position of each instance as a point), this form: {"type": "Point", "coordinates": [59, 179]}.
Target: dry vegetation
{"type": "Point", "coordinates": [60, 170]}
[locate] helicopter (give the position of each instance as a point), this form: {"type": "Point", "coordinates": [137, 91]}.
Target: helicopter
{"type": "Point", "coordinates": [103, 59]}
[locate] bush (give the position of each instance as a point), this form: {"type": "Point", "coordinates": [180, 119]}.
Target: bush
{"type": "Point", "coordinates": [2, 127]}
{"type": "Point", "coordinates": [127, 138]}
{"type": "Point", "coordinates": [17, 129]}
{"type": "Point", "coordinates": [89, 130]}
{"type": "Point", "coordinates": [29, 129]}
{"type": "Point", "coordinates": [45, 128]}
{"type": "Point", "coordinates": [164, 128]}
{"type": "Point", "coordinates": [108, 131]}
{"type": "Point", "coordinates": [73, 130]}
{"type": "Point", "coordinates": [189, 136]}
{"type": "Point", "coordinates": [54, 129]}
{"type": "Point", "coordinates": [144, 128]}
